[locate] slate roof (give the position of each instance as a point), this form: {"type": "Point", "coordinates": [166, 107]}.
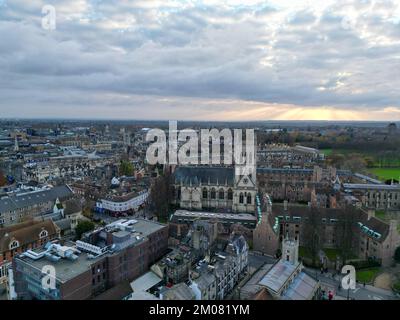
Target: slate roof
{"type": "Point", "coordinates": [63, 224]}
{"type": "Point", "coordinates": [195, 175]}
{"type": "Point", "coordinates": [23, 200]}
{"type": "Point", "coordinates": [180, 291]}
{"type": "Point", "coordinates": [72, 206]}
{"type": "Point", "coordinates": [373, 223]}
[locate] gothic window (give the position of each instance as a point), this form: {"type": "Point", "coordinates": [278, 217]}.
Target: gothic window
{"type": "Point", "coordinates": [249, 198]}
{"type": "Point", "coordinates": [230, 194]}
{"type": "Point", "coordinates": [213, 193]}
{"type": "Point", "coordinates": [241, 198]}
{"type": "Point", "coordinates": [205, 194]}
{"type": "Point", "coordinates": [221, 195]}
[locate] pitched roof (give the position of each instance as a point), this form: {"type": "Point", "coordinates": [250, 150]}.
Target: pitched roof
{"type": "Point", "coordinates": [373, 223]}
{"type": "Point", "coordinates": [26, 199]}
{"type": "Point", "coordinates": [72, 206]}
{"type": "Point", "coordinates": [180, 291]}
{"type": "Point", "coordinates": [195, 175]}
{"type": "Point", "coordinates": [25, 232]}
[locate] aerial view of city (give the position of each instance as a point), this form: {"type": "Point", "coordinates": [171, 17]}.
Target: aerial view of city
{"type": "Point", "coordinates": [205, 150]}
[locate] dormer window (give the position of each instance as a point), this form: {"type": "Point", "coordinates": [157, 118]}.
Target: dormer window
{"type": "Point", "coordinates": [14, 244]}
{"type": "Point", "coordinates": [43, 234]}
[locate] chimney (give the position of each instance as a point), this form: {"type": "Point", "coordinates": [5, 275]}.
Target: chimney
{"type": "Point", "coordinates": [371, 213]}
{"type": "Point", "coordinates": [285, 205]}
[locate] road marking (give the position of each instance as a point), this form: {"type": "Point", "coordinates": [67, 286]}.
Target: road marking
{"type": "Point", "coordinates": [355, 290]}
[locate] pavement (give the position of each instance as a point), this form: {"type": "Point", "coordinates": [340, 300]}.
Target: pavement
{"type": "Point", "coordinates": [109, 219]}
{"type": "Point", "coordinates": [331, 282]}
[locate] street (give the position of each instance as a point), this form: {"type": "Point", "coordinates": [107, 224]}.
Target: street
{"type": "Point", "coordinates": [142, 213]}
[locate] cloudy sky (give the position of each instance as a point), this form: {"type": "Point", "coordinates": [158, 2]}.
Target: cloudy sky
{"type": "Point", "coordinates": [201, 59]}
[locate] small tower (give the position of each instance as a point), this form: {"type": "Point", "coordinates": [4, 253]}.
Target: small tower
{"type": "Point", "coordinates": [290, 250]}
{"type": "Point", "coordinates": [337, 184]}
{"type": "Point", "coordinates": [16, 146]}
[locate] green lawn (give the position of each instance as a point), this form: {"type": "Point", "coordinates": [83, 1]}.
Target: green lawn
{"type": "Point", "coordinates": [367, 275]}
{"type": "Point", "coordinates": [331, 254]}
{"type": "Point", "coordinates": [303, 252]}
{"type": "Point", "coordinates": [326, 152]}
{"type": "Point", "coordinates": [380, 214]}
{"type": "Point", "coordinates": [386, 173]}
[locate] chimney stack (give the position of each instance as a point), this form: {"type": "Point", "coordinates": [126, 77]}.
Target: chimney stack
{"type": "Point", "coordinates": [285, 205]}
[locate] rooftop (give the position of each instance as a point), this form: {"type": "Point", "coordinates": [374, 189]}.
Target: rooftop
{"type": "Point", "coordinates": [65, 269]}
{"type": "Point", "coordinates": [302, 288]}
{"type": "Point", "coordinates": [278, 275]}
{"type": "Point", "coordinates": [222, 216]}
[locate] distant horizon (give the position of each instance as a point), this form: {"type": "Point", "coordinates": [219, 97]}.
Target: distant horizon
{"type": "Point", "coordinates": [196, 121]}
{"type": "Point", "coordinates": [203, 60]}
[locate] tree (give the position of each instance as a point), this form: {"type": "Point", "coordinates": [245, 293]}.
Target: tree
{"type": "Point", "coordinates": [82, 227]}
{"type": "Point", "coordinates": [345, 232]}
{"type": "Point", "coordinates": [312, 235]}
{"type": "Point", "coordinates": [355, 163]}
{"type": "Point", "coordinates": [160, 195]}
{"type": "Point", "coordinates": [397, 255]}
{"type": "Point", "coordinates": [126, 168]}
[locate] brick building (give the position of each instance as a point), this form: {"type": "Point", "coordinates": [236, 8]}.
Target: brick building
{"type": "Point", "coordinates": [121, 251]}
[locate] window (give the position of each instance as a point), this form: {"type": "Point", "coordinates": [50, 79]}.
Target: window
{"type": "Point", "coordinates": [43, 234]}
{"type": "Point", "coordinates": [213, 193]}
{"type": "Point", "coordinates": [249, 199]}
{"type": "Point", "coordinates": [221, 195]}
{"type": "Point", "coordinates": [14, 244]}
{"type": "Point", "coordinates": [241, 198]}
{"type": "Point", "coordinates": [230, 194]}
{"type": "Point", "coordinates": [205, 193]}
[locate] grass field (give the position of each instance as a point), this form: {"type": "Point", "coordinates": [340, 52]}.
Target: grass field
{"type": "Point", "coordinates": [380, 214]}
{"type": "Point", "coordinates": [331, 253]}
{"type": "Point", "coordinates": [304, 253]}
{"type": "Point", "coordinates": [386, 173]}
{"type": "Point", "coordinates": [326, 152]}
{"type": "Point", "coordinates": [367, 275]}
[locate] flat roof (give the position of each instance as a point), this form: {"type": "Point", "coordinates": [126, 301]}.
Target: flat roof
{"type": "Point", "coordinates": [223, 216]}
{"type": "Point", "coordinates": [147, 227]}
{"type": "Point", "coordinates": [145, 282]}
{"type": "Point", "coordinates": [65, 269]}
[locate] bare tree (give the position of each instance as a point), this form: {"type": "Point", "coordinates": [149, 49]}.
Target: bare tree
{"type": "Point", "coordinates": [160, 195]}
{"type": "Point", "coordinates": [312, 234]}
{"type": "Point", "coordinates": [346, 233]}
